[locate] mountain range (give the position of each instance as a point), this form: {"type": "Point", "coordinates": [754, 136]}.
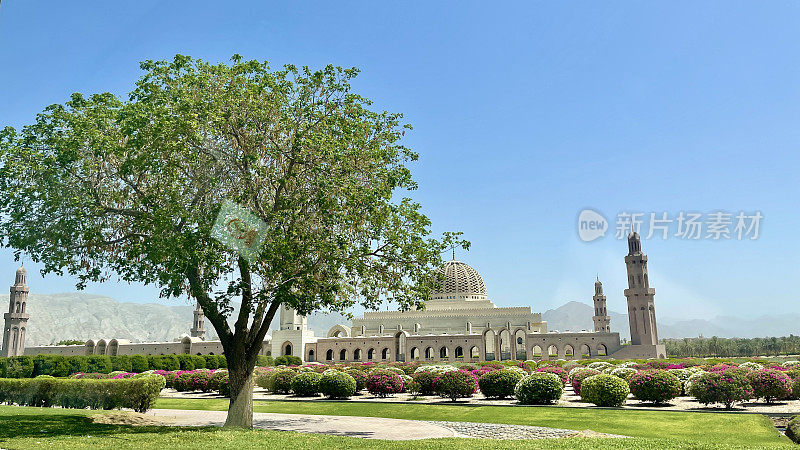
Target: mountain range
{"type": "Point", "coordinates": [82, 316]}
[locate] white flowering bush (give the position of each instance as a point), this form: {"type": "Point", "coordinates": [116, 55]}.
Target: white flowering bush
{"type": "Point", "coordinates": [436, 368]}
{"type": "Point", "coordinates": [600, 365]}
{"type": "Point", "coordinates": [792, 364]}
{"type": "Point", "coordinates": [751, 365]}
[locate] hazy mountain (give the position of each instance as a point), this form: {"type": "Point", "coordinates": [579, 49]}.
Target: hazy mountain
{"type": "Point", "coordinates": [77, 315]}
{"type": "Point", "coordinates": [83, 316]}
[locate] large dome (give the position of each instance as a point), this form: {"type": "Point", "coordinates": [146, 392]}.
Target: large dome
{"type": "Point", "coordinates": [460, 279]}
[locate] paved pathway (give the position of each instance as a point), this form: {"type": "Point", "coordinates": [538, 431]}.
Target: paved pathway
{"type": "Point", "coordinates": [368, 427]}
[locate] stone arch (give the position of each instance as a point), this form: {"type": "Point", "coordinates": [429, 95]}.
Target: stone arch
{"type": "Point", "coordinates": [311, 355]}
{"type": "Point", "coordinates": [602, 350]}
{"type": "Point", "coordinates": [329, 355]}
{"type": "Point", "coordinates": [414, 353]}
{"type": "Point", "coordinates": [586, 350]}
{"type": "Point", "coordinates": [339, 331]}
{"type": "Point", "coordinates": [21, 342]}
{"type": "Point", "coordinates": [287, 348]}
{"type": "Point", "coordinates": [187, 345]}
{"type": "Point", "coordinates": [474, 352]}
{"type": "Point", "coordinates": [23, 307]}
{"type": "Point", "coordinates": [19, 307]}
{"type": "Point", "coordinates": [552, 350]}
{"type": "Point", "coordinates": [505, 344]}
{"type": "Point", "coordinates": [14, 340]}
{"type": "Point", "coordinates": [520, 344]}
{"type": "Point", "coordinates": [569, 351]}
{"type": "Point", "coordinates": [385, 353]}
{"type": "Point", "coordinates": [357, 354]}
{"type": "Point", "coordinates": [89, 347]}
{"type": "Point", "coordinates": [370, 354]}
{"type": "Point", "coordinates": [458, 352]}
{"type": "Point", "coordinates": [343, 354]}
{"type": "Point", "coordinates": [400, 345]}
{"type": "Point", "coordinates": [489, 337]}
{"type": "Point", "coordinates": [113, 347]}
{"type": "Point", "coordinates": [429, 353]}
{"type": "Point", "coordinates": [443, 352]}
{"type": "Point", "coordinates": [536, 351]}
{"type": "Point", "coordinates": [417, 327]}
{"type": "Point", "coordinates": [101, 347]}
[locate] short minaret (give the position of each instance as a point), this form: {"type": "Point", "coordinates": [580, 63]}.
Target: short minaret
{"type": "Point", "coordinates": [16, 320]}
{"type": "Point", "coordinates": [199, 327]}
{"type": "Point", "coordinates": [602, 322]}
{"type": "Point", "coordinates": [292, 335]}
{"type": "Point", "coordinates": [641, 308]}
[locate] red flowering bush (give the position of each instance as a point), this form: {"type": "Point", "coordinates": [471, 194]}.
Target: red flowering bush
{"type": "Point", "coordinates": [727, 387]}
{"type": "Point", "coordinates": [657, 386]}
{"type": "Point", "coordinates": [381, 382]}
{"type": "Point", "coordinates": [558, 371]}
{"type": "Point", "coordinates": [770, 384]}
{"type": "Point", "coordinates": [578, 375]}
{"type": "Point", "coordinates": [455, 384]}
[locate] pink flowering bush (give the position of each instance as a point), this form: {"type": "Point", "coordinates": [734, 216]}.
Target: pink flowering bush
{"type": "Point", "coordinates": [727, 387]}
{"type": "Point", "coordinates": [455, 384]}
{"type": "Point", "coordinates": [770, 384]}
{"type": "Point", "coordinates": [657, 386]}
{"type": "Point", "coordinates": [382, 383]}
{"type": "Point", "coordinates": [360, 376]}
{"type": "Point", "coordinates": [579, 375]}
{"type": "Point", "coordinates": [123, 375]}
{"type": "Point", "coordinates": [558, 371]}
{"type": "Point", "coordinates": [425, 381]}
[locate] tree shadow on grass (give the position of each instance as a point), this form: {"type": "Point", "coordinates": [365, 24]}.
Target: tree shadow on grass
{"type": "Point", "coordinates": [54, 425]}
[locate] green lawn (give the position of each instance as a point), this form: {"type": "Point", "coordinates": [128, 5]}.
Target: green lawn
{"type": "Point", "coordinates": [29, 428]}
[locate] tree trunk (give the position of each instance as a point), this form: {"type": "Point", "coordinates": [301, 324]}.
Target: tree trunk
{"type": "Point", "coordinates": [240, 411]}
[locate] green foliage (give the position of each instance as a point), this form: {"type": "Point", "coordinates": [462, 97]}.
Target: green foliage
{"type": "Point", "coordinates": [578, 375]}
{"type": "Point", "coordinates": [727, 387]}
{"type": "Point", "coordinates": [138, 394]}
{"type": "Point", "coordinates": [70, 342]}
{"type": "Point", "coordinates": [121, 363]}
{"type": "Point", "coordinates": [19, 367]}
{"type": "Point", "coordinates": [288, 360]}
{"type": "Point", "coordinates": [604, 390]}
{"type": "Point", "coordinates": [306, 384]}
{"type": "Point", "coordinates": [98, 363]}
{"type": "Point", "coordinates": [539, 388]}
{"type": "Point", "coordinates": [793, 429]}
{"type": "Point", "coordinates": [360, 376]}
{"type": "Point", "coordinates": [280, 381]}
{"type": "Point", "coordinates": [499, 383]}
{"type": "Point", "coordinates": [336, 384]}
{"type": "Point", "coordinates": [210, 362]}
{"type": "Point", "coordinates": [186, 362]}
{"type": "Point", "coordinates": [163, 362]}
{"type": "Point", "coordinates": [425, 380]}
{"type": "Point", "coordinates": [54, 365]}
{"type": "Point", "coordinates": [455, 384]}
{"type": "Point", "coordinates": [657, 386]}
{"type": "Point", "coordinates": [265, 360]}
{"type": "Point", "coordinates": [139, 363]}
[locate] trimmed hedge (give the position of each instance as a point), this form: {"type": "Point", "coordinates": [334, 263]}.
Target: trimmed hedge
{"type": "Point", "coordinates": [539, 388]}
{"type": "Point", "coordinates": [61, 366]}
{"type": "Point", "coordinates": [725, 387]}
{"type": "Point", "coordinates": [657, 386]}
{"type": "Point", "coordinates": [335, 384]}
{"type": "Point", "coordinates": [604, 390]}
{"type": "Point", "coordinates": [306, 384]}
{"type": "Point", "coordinates": [793, 429]}
{"type": "Point", "coordinates": [455, 384]}
{"type": "Point", "coordinates": [499, 383]}
{"type": "Point", "coordinates": [137, 393]}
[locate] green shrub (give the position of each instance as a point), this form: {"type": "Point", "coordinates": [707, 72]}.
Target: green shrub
{"type": "Point", "coordinates": [499, 383]}
{"type": "Point", "coordinates": [288, 360]}
{"type": "Point", "coordinates": [360, 376]}
{"type": "Point", "coordinates": [455, 384]}
{"type": "Point", "coordinates": [604, 390]}
{"type": "Point", "coordinates": [186, 362]}
{"type": "Point", "coordinates": [98, 363]}
{"type": "Point", "coordinates": [579, 375]}
{"type": "Point", "coordinates": [210, 362]}
{"type": "Point", "coordinates": [19, 367]}
{"type": "Point", "coordinates": [425, 380]}
{"type": "Point", "coordinates": [77, 364]}
{"type": "Point", "coordinates": [280, 381]}
{"type": "Point", "coordinates": [138, 394]}
{"type": "Point", "coordinates": [793, 429]}
{"type": "Point", "coordinates": [53, 365]}
{"type": "Point", "coordinates": [266, 360]}
{"type": "Point", "coordinates": [624, 372]}
{"type": "Point", "coordinates": [121, 363]}
{"type": "Point", "coordinates": [539, 388]}
{"type": "Point", "coordinates": [306, 384]}
{"type": "Point", "coordinates": [727, 387]}
{"type": "Point", "coordinates": [335, 384]}
{"type": "Point", "coordinates": [657, 386]}
{"type": "Point", "coordinates": [3, 367]}
{"type": "Point", "coordinates": [199, 362]}
{"type": "Point", "coordinates": [139, 363]}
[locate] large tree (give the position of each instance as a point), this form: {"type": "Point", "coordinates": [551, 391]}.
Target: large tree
{"type": "Point", "coordinates": [103, 188]}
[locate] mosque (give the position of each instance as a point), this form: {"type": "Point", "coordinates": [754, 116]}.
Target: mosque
{"type": "Point", "coordinates": [459, 323]}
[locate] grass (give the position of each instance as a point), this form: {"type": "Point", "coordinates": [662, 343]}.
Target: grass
{"type": "Point", "coordinates": [24, 428]}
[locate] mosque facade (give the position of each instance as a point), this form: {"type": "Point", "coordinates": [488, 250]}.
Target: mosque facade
{"type": "Point", "coordinates": [459, 323]}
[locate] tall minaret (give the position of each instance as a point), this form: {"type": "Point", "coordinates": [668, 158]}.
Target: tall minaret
{"type": "Point", "coordinates": [199, 327]}
{"type": "Point", "coordinates": [641, 308]}
{"type": "Point", "coordinates": [16, 320]}
{"type": "Point", "coordinates": [602, 322]}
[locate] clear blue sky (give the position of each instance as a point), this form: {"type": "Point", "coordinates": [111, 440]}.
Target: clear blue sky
{"type": "Point", "coordinates": [524, 114]}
